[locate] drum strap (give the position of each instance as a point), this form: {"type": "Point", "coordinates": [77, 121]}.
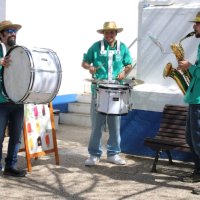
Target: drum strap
{"type": "Point", "coordinates": [2, 50]}
{"type": "Point", "coordinates": [2, 90]}
{"type": "Point", "coordinates": [110, 54]}
{"type": "Point", "coordinates": [1, 55]}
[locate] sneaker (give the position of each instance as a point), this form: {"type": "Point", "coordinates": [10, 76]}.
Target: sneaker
{"type": "Point", "coordinates": [116, 160]}
{"type": "Point", "coordinates": [14, 172]}
{"type": "Point", "coordinates": [196, 191]}
{"type": "Point", "coordinates": [192, 178]}
{"type": "Point", "coordinates": [91, 161]}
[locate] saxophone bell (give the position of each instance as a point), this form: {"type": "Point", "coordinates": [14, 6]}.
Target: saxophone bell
{"type": "Point", "coordinates": [167, 70]}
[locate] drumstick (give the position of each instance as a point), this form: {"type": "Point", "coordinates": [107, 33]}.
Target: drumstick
{"type": "Point", "coordinates": [101, 67]}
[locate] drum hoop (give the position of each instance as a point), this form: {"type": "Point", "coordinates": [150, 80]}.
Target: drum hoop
{"type": "Point", "coordinates": [11, 49]}
{"type": "Point", "coordinates": [104, 86]}
{"type": "Point", "coordinates": [3, 86]}
{"type": "Point", "coordinates": [111, 114]}
{"type": "Point", "coordinates": [60, 74]}
{"type": "Point", "coordinates": [4, 91]}
{"type": "Point", "coordinates": [31, 82]}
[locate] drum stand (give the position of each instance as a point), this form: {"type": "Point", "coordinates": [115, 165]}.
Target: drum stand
{"type": "Point", "coordinates": [54, 149]}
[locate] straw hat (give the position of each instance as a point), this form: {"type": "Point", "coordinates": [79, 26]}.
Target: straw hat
{"type": "Point", "coordinates": [197, 18]}
{"type": "Point", "coordinates": [110, 26]}
{"type": "Point", "coordinates": [8, 24]}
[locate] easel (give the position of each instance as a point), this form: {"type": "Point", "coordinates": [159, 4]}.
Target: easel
{"type": "Point", "coordinates": [54, 149]}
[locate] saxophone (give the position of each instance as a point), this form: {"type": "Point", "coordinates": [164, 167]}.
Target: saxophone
{"type": "Point", "coordinates": [182, 77]}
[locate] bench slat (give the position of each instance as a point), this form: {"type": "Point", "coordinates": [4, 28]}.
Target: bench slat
{"type": "Point", "coordinates": [178, 122]}
{"type": "Point", "coordinates": [171, 135]}
{"type": "Point", "coordinates": [180, 116]}
{"type": "Point", "coordinates": [172, 126]}
{"type": "Point", "coordinates": [168, 144]}
{"type": "Point", "coordinates": [170, 139]}
{"type": "Point", "coordinates": [176, 107]}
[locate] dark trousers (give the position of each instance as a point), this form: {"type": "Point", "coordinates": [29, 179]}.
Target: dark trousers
{"type": "Point", "coordinates": [193, 132]}
{"type": "Point", "coordinates": [12, 115]}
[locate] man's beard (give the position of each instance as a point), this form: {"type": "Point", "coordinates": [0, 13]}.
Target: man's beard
{"type": "Point", "coordinates": [11, 42]}
{"type": "Point", "coordinates": [197, 35]}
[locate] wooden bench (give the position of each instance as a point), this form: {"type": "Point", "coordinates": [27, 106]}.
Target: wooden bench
{"type": "Point", "coordinates": [171, 134]}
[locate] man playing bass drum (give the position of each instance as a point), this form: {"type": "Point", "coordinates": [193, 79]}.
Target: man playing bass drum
{"type": "Point", "coordinates": [11, 114]}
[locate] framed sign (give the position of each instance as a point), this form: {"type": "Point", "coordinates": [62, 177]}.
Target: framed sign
{"type": "Point", "coordinates": [39, 132]}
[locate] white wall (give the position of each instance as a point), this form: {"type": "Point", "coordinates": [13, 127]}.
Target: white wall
{"type": "Point", "coordinates": [2, 9]}
{"type": "Point", "coordinates": [69, 28]}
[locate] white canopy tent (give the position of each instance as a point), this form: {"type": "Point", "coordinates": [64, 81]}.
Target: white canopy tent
{"type": "Point", "coordinates": [161, 23]}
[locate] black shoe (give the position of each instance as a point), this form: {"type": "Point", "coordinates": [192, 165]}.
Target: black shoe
{"type": "Point", "coordinates": [196, 191]}
{"type": "Point", "coordinates": [193, 178]}
{"type": "Point", "coordinates": [14, 172]}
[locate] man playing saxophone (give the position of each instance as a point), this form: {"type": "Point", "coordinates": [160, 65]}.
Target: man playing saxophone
{"type": "Point", "coordinates": [192, 97]}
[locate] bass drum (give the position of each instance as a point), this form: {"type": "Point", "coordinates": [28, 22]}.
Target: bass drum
{"type": "Point", "coordinates": [33, 76]}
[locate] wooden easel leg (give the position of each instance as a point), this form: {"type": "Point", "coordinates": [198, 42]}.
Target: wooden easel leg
{"type": "Point", "coordinates": [28, 159]}
{"type": "Point", "coordinates": [54, 133]}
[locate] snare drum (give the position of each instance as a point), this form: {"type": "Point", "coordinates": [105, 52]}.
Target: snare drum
{"type": "Point", "coordinates": [33, 76]}
{"type": "Point", "coordinates": [113, 99]}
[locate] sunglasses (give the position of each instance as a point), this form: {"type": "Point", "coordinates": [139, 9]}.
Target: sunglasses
{"type": "Point", "coordinates": [11, 30]}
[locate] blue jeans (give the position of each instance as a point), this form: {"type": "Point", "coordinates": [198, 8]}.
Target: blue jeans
{"type": "Point", "coordinates": [193, 132]}
{"type": "Point", "coordinates": [98, 123]}
{"type": "Point", "coordinates": [12, 115]}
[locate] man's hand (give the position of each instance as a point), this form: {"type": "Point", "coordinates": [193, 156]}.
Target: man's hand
{"type": "Point", "coordinates": [125, 72]}
{"type": "Point", "coordinates": [5, 61]}
{"type": "Point", "coordinates": [92, 70]}
{"type": "Point", "coordinates": [121, 76]}
{"type": "Point", "coordinates": [183, 65]}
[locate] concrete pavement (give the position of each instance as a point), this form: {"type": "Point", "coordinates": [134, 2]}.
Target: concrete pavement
{"type": "Point", "coordinates": [72, 180]}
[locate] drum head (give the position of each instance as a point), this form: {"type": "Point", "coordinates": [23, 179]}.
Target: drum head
{"type": "Point", "coordinates": [17, 77]}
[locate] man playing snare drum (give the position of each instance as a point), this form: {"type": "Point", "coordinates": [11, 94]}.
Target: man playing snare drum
{"type": "Point", "coordinates": [11, 114]}
{"type": "Point", "coordinates": [109, 60]}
